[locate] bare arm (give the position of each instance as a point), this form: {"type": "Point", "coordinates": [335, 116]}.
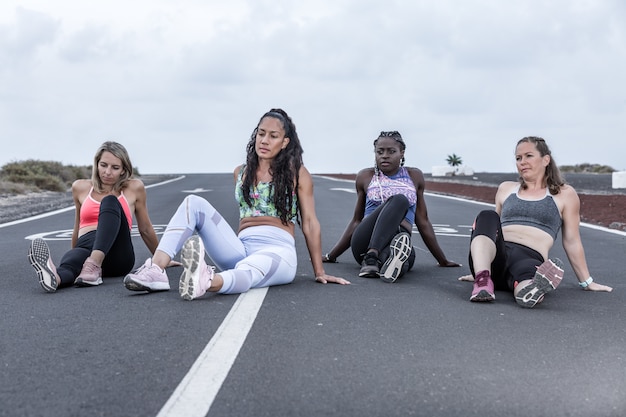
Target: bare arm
{"type": "Point", "coordinates": [311, 228]}
{"type": "Point", "coordinates": [423, 223]}
{"type": "Point", "coordinates": [79, 188]}
{"type": "Point", "coordinates": [572, 242]}
{"type": "Point", "coordinates": [144, 224]}
{"type": "Point", "coordinates": [362, 179]}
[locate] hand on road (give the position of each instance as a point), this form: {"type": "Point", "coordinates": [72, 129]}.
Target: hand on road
{"type": "Point", "coordinates": [324, 279]}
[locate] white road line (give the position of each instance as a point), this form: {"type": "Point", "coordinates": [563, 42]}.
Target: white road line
{"type": "Point", "coordinates": [196, 392]}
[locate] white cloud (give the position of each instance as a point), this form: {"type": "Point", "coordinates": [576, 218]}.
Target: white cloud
{"type": "Point", "coordinates": [182, 84]}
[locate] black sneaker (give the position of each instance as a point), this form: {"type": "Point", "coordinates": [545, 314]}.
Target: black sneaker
{"type": "Point", "coordinates": [370, 266]}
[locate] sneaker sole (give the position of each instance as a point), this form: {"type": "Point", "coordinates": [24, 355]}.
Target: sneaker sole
{"type": "Point", "coordinates": [483, 296]}
{"type": "Point", "coordinates": [190, 258]}
{"type": "Point", "coordinates": [38, 255]}
{"type": "Point", "coordinates": [369, 274]}
{"type": "Point", "coordinates": [79, 282]}
{"type": "Point", "coordinates": [546, 279]}
{"type": "Point", "coordinates": [134, 285]}
{"type": "Point", "coordinates": [400, 252]}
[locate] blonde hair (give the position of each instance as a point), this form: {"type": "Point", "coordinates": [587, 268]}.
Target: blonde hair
{"type": "Point", "coordinates": [119, 151]}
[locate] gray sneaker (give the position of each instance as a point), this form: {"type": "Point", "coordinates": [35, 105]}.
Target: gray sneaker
{"type": "Point", "coordinates": [401, 248]}
{"type": "Point", "coordinates": [39, 257]}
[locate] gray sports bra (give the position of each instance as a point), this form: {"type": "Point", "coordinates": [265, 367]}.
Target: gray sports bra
{"type": "Point", "coordinates": [542, 214]}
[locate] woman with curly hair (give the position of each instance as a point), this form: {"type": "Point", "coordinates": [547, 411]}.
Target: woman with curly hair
{"type": "Point", "coordinates": [274, 191]}
{"type": "Point", "coordinates": [390, 199]}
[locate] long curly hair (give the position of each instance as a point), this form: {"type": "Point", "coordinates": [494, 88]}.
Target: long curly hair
{"type": "Point", "coordinates": [553, 178]}
{"type": "Point", "coordinates": [119, 151]}
{"type": "Point", "coordinates": [285, 168]}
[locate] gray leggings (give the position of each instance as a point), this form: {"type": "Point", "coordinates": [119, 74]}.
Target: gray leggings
{"type": "Point", "coordinates": [260, 256]}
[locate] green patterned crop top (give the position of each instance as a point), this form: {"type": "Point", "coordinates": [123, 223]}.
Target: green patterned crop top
{"type": "Point", "coordinates": [262, 204]}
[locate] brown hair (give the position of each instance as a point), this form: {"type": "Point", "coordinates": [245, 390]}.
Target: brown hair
{"type": "Point", "coordinates": [553, 179]}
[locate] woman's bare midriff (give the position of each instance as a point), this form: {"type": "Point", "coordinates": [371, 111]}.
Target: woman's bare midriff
{"type": "Point", "coordinates": [86, 229]}
{"type": "Point", "coordinates": [265, 221]}
{"type": "Point", "coordinates": [529, 236]}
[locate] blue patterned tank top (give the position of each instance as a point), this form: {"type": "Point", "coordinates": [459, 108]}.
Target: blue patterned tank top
{"type": "Point", "coordinates": [381, 187]}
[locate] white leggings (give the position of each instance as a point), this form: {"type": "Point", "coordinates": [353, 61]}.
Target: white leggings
{"type": "Point", "coordinates": [261, 256]}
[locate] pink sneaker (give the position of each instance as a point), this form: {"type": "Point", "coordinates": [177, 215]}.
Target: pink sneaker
{"type": "Point", "coordinates": [90, 275]}
{"type": "Point", "coordinates": [148, 277]}
{"type": "Point", "coordinates": [548, 276]}
{"type": "Point", "coordinates": [39, 257]}
{"type": "Point", "coordinates": [483, 287]}
{"type": "Point", "coordinates": [197, 275]}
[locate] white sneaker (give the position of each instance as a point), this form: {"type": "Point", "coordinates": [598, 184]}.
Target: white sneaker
{"type": "Point", "coordinates": [197, 275]}
{"type": "Point", "coordinates": [148, 277]}
{"type": "Point", "coordinates": [39, 257]}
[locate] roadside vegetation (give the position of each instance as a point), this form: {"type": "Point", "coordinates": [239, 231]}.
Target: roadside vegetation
{"type": "Point", "coordinates": [35, 176]}
{"type": "Point", "coordinates": [587, 169]}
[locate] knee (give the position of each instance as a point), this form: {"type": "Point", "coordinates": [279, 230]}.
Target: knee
{"type": "Point", "coordinates": [110, 201]}
{"type": "Point", "coordinates": [399, 200]}
{"type": "Point", "coordinates": [197, 205]}
{"type": "Point", "coordinates": [193, 199]}
{"type": "Point", "coordinates": [489, 216]}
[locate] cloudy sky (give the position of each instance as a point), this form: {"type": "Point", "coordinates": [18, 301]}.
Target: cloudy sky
{"type": "Point", "coordinates": [183, 83]}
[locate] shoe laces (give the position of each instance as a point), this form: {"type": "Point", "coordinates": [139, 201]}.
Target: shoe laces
{"type": "Point", "coordinates": [482, 279]}
{"type": "Point", "coordinates": [90, 267]}
{"type": "Point", "coordinates": [370, 259]}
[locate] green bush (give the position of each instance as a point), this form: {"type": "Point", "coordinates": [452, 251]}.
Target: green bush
{"type": "Point", "coordinates": [587, 168]}
{"type": "Point", "coordinates": [33, 175]}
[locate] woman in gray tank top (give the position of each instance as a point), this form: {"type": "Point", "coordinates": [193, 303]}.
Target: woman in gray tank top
{"type": "Point", "coordinates": [509, 247]}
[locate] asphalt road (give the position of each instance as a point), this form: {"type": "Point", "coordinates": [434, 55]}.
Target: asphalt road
{"type": "Point", "coordinates": [414, 348]}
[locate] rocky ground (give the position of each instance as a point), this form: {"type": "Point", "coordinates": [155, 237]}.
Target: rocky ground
{"type": "Point", "coordinates": [600, 203]}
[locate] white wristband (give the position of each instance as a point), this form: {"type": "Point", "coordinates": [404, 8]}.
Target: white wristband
{"type": "Point", "coordinates": [586, 282]}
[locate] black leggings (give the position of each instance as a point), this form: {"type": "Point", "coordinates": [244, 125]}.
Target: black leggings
{"type": "Point", "coordinates": [513, 262]}
{"type": "Point", "coordinates": [376, 230]}
{"type": "Point", "coordinates": [112, 237]}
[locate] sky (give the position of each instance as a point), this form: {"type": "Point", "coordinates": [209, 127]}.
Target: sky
{"type": "Point", "coordinates": [182, 84]}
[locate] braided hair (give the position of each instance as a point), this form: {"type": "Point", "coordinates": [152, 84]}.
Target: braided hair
{"type": "Point", "coordinates": [395, 135]}
{"type": "Point", "coordinates": [553, 179]}
{"type": "Point", "coordinates": [285, 168]}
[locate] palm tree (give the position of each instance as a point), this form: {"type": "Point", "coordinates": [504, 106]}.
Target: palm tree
{"type": "Point", "coordinates": [454, 160]}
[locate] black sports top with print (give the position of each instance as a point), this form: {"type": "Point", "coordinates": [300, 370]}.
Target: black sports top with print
{"type": "Point", "coordinates": [542, 214]}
